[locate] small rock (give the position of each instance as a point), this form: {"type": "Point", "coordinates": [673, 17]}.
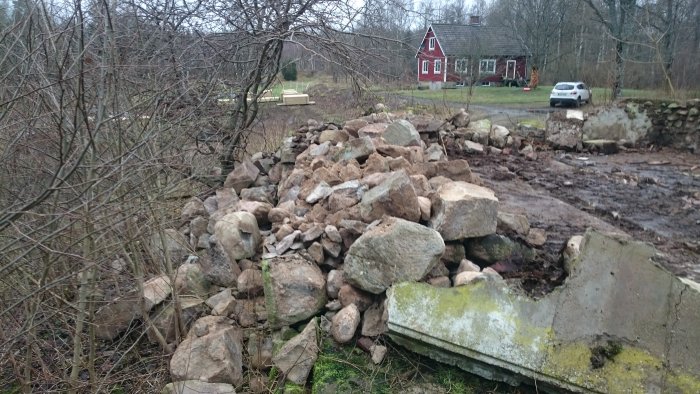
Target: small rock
{"type": "Point", "coordinates": [250, 282]}
{"type": "Point", "coordinates": [333, 234]}
{"type": "Point", "coordinates": [466, 265]}
{"type": "Point", "coordinates": [316, 252]}
{"type": "Point", "coordinates": [350, 295]}
{"type": "Point", "coordinates": [440, 281]}
{"type": "Point", "coordinates": [286, 242]}
{"type": "Point", "coordinates": [259, 351]}
{"type": "Point", "coordinates": [374, 322]}
{"type": "Point", "coordinates": [334, 282]}
{"type": "Point", "coordinates": [222, 303]}
{"type": "Point", "coordinates": [465, 277]}
{"type": "Point", "coordinates": [378, 353]}
{"type": "Point", "coordinates": [296, 357]}
{"type": "Point", "coordinates": [321, 191]}
{"type": "Point", "coordinates": [536, 237]}
{"type": "Point", "coordinates": [511, 222]}
{"type": "Point", "coordinates": [344, 324]}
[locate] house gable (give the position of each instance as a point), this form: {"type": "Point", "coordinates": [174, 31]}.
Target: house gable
{"type": "Point", "coordinates": [431, 60]}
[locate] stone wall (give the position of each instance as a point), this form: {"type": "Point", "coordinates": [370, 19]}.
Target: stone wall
{"type": "Point", "coordinates": [673, 123]}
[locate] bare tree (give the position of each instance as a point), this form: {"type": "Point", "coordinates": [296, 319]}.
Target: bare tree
{"type": "Point", "coordinates": [617, 17]}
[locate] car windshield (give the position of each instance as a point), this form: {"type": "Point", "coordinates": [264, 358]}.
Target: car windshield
{"type": "Point", "coordinates": [564, 86]}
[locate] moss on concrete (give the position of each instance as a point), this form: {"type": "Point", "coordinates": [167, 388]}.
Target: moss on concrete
{"type": "Point", "coordinates": [627, 371]}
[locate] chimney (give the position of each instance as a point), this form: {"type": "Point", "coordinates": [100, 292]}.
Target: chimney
{"type": "Point", "coordinates": [475, 20]}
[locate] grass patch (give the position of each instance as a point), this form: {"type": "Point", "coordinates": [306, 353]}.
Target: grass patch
{"type": "Point", "coordinates": [516, 97]}
{"type": "Point", "coordinates": [346, 369]}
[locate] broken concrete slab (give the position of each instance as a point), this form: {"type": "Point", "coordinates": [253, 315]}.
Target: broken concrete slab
{"type": "Point", "coordinates": [620, 323]}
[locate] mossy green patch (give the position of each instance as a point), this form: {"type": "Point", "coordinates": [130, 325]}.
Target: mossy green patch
{"type": "Point", "coordinates": [627, 371]}
{"type": "Point", "coordinates": [683, 383]}
{"type": "Point", "coordinates": [343, 370]}
{"type": "Point", "coordinates": [292, 388]}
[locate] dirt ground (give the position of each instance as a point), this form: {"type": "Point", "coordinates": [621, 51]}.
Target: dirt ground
{"type": "Point", "coordinates": [650, 196]}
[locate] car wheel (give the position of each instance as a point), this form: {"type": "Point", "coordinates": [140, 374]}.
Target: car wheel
{"type": "Point", "coordinates": [552, 103]}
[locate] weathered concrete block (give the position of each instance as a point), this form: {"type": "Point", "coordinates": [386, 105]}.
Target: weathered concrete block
{"type": "Point", "coordinates": [620, 323]}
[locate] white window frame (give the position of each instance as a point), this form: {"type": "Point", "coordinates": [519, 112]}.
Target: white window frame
{"type": "Point", "coordinates": [487, 70]}
{"type": "Point", "coordinates": [425, 67]}
{"type": "Point", "coordinates": [437, 66]}
{"type": "Point", "coordinates": [431, 43]}
{"type": "Point", "coordinates": [464, 62]}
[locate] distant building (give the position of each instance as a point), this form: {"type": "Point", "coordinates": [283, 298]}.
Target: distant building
{"type": "Point", "coordinates": [472, 53]}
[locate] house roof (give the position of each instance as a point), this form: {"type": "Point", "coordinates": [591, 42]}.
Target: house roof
{"type": "Point", "coordinates": [484, 40]}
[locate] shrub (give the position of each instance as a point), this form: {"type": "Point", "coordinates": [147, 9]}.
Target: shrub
{"type": "Point", "coordinates": [289, 71]}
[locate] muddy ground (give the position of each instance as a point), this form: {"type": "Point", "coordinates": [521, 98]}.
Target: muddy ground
{"type": "Point", "coordinates": [650, 196]}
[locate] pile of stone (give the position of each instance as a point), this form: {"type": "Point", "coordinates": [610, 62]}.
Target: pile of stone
{"type": "Point", "coordinates": [311, 238]}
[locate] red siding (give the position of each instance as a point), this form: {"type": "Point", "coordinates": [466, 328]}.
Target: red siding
{"type": "Point", "coordinates": [497, 77]}
{"type": "Point", "coordinates": [425, 53]}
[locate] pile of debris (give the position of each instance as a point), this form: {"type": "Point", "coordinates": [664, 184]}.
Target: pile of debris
{"type": "Point", "coordinates": [312, 237]}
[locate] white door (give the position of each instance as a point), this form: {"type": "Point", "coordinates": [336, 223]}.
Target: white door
{"type": "Point", "coordinates": [510, 69]}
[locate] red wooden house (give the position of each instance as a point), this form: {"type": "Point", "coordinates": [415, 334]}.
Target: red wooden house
{"type": "Point", "coordinates": [473, 53]}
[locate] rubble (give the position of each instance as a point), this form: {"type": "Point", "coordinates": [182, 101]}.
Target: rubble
{"type": "Point", "coordinates": [336, 218]}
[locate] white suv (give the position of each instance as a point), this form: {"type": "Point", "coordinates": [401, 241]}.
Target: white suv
{"type": "Point", "coordinates": [573, 93]}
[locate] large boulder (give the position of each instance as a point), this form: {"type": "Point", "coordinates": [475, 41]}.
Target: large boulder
{"type": "Point", "coordinates": [238, 234]}
{"type": "Point", "coordinates": [463, 210]}
{"type": "Point", "coordinates": [211, 352]}
{"type": "Point", "coordinates": [394, 251]}
{"type": "Point", "coordinates": [295, 289]}
{"type": "Point", "coordinates": [395, 196]}
{"type": "Point", "coordinates": [402, 133]}
{"type": "Point", "coordinates": [297, 356]}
